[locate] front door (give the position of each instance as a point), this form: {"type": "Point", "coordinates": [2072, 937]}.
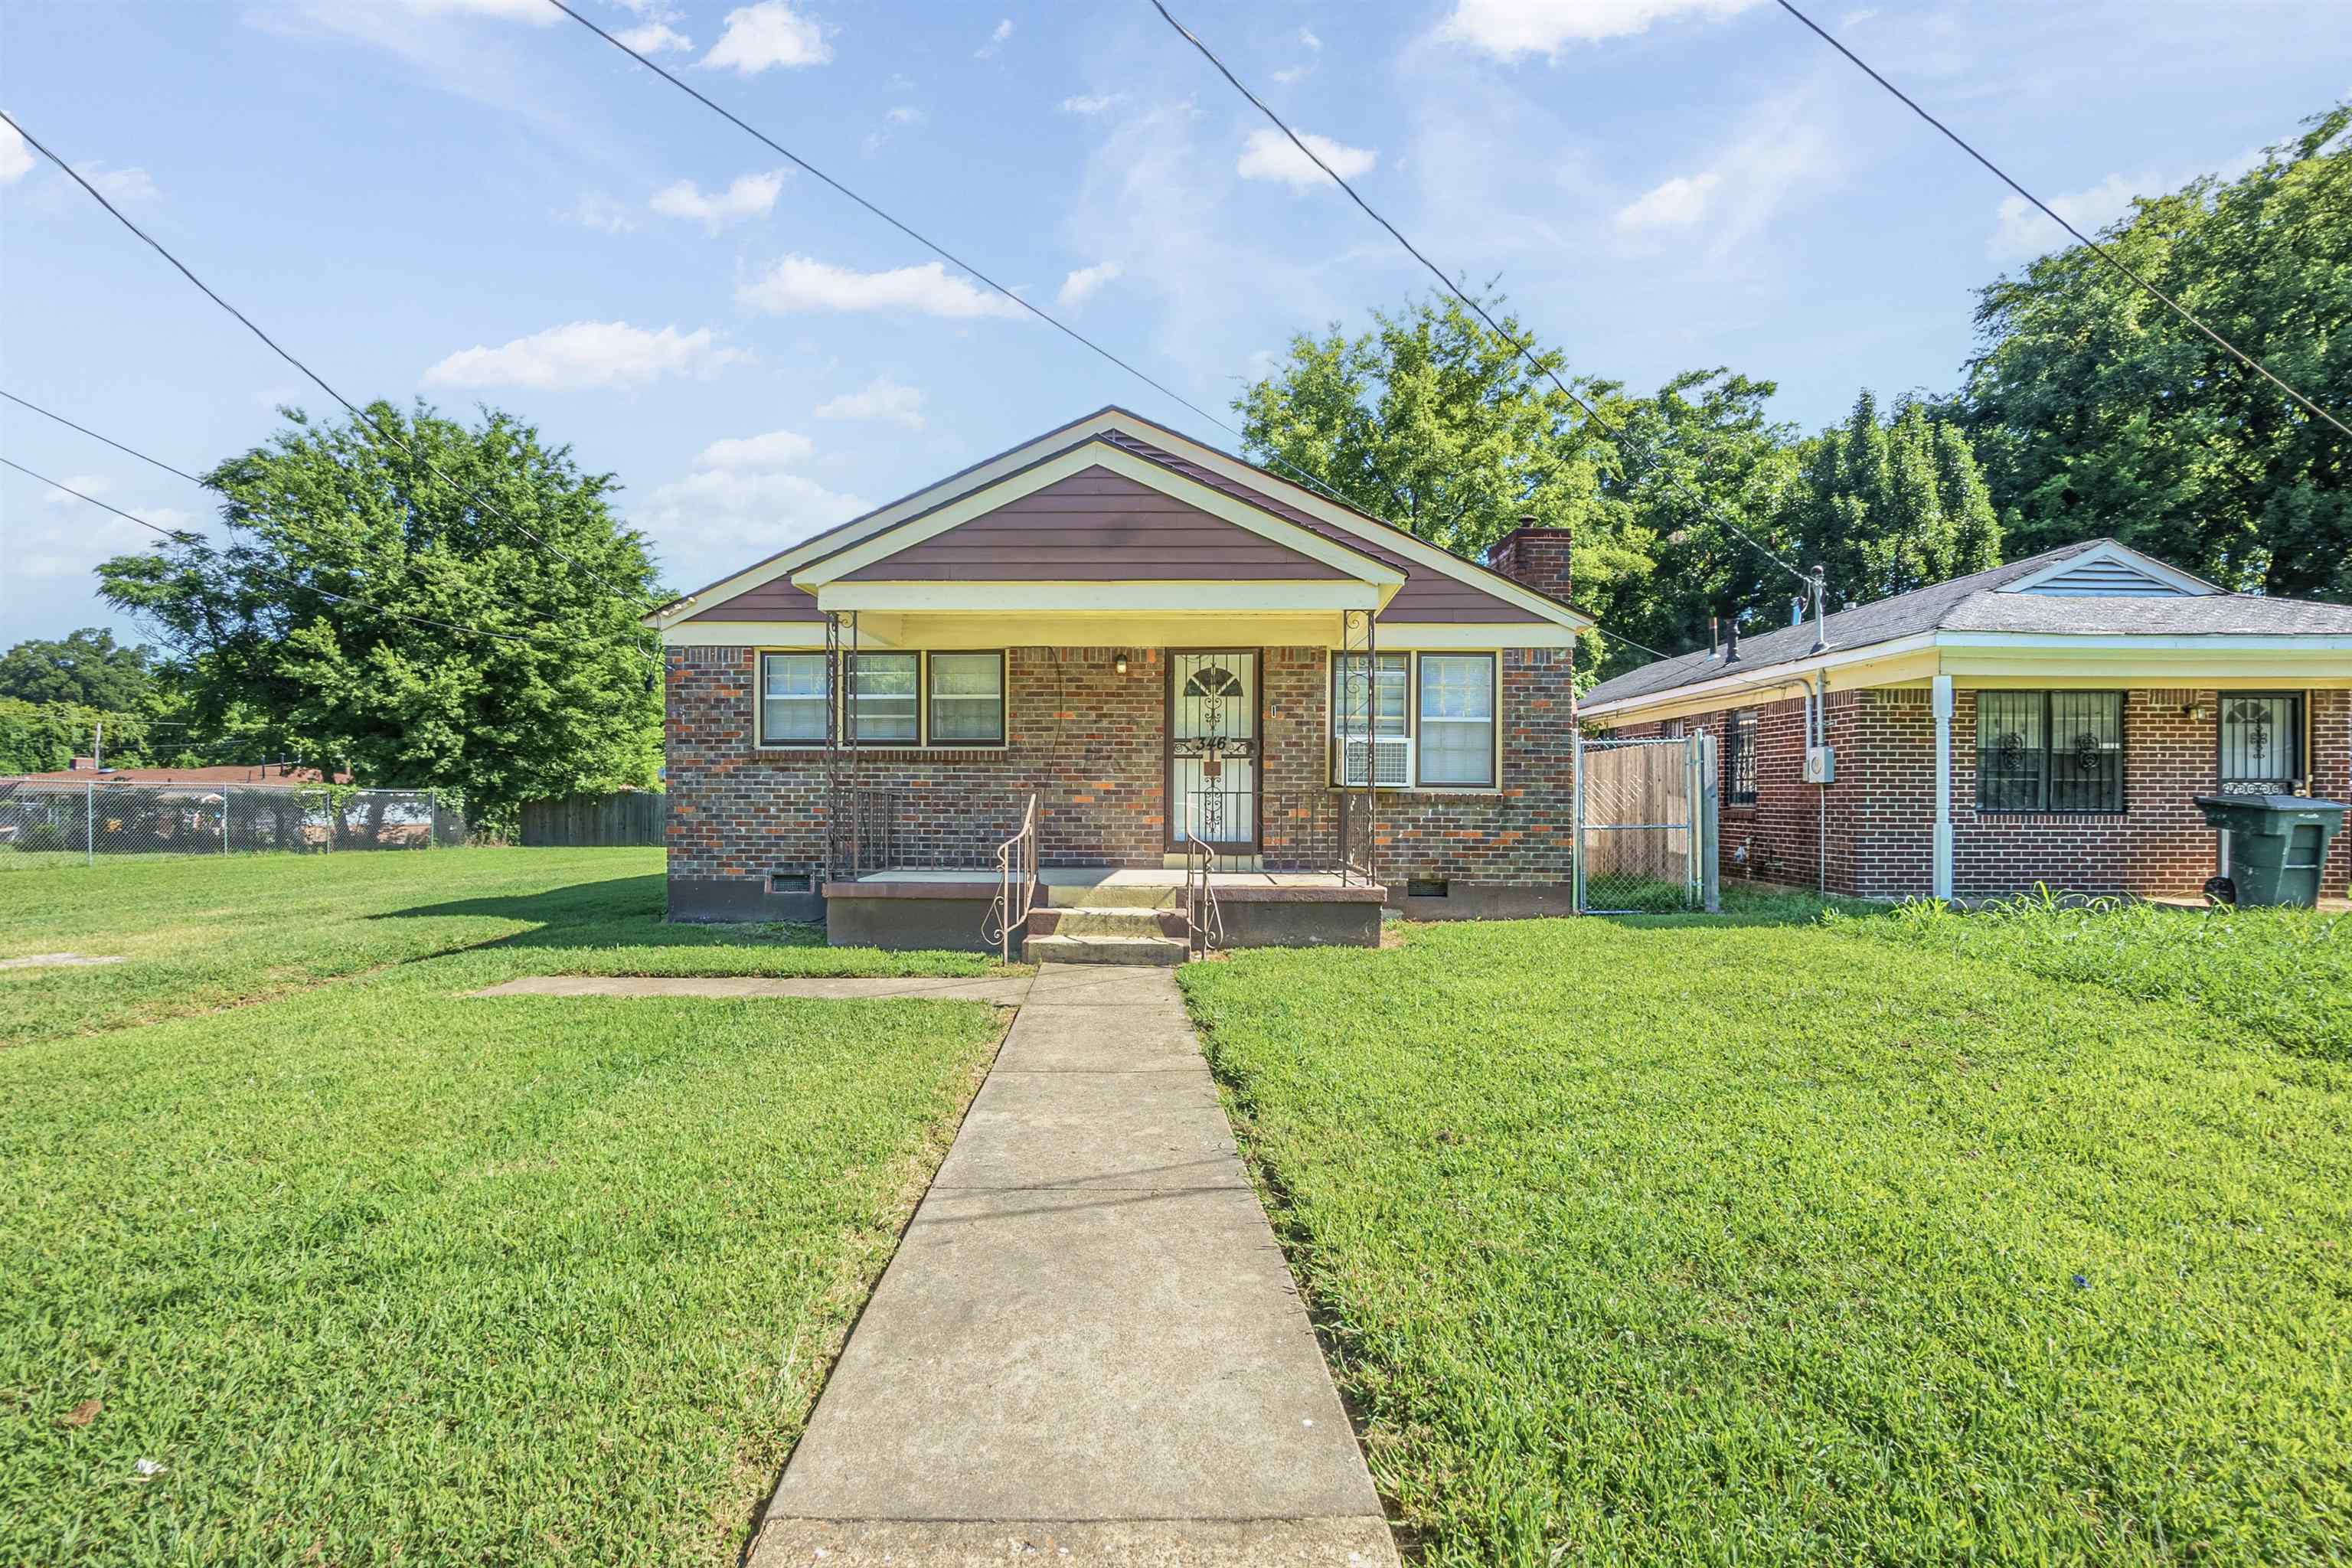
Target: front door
{"type": "Point", "coordinates": [1212, 749]}
{"type": "Point", "coordinates": [2261, 742]}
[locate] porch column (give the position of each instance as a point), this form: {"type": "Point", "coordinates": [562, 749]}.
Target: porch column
{"type": "Point", "coordinates": [1941, 701]}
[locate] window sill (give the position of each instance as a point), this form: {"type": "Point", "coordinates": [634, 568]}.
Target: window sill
{"type": "Point", "coordinates": [944, 750]}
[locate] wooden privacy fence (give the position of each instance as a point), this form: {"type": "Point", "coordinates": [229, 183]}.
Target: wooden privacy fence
{"type": "Point", "coordinates": [584, 821]}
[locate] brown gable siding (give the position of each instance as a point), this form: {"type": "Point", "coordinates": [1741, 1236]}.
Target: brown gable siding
{"type": "Point", "coordinates": [1426, 595]}
{"type": "Point", "coordinates": [1094, 526]}
{"type": "Point", "coordinates": [772, 601]}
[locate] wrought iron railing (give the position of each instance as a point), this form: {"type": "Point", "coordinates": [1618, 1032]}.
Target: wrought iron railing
{"type": "Point", "coordinates": [869, 832]}
{"type": "Point", "coordinates": [1205, 920]}
{"type": "Point", "coordinates": [1016, 884]}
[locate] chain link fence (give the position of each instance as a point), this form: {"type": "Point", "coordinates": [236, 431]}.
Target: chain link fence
{"type": "Point", "coordinates": [75, 825]}
{"type": "Point", "coordinates": [1643, 814]}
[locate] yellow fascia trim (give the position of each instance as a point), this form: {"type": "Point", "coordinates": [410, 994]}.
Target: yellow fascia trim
{"type": "Point", "coordinates": [1097, 453]}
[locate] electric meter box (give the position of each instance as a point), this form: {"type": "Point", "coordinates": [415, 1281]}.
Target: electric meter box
{"type": "Point", "coordinates": [1821, 764]}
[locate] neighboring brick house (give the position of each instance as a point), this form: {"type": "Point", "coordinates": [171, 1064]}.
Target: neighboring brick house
{"type": "Point", "coordinates": [1163, 644]}
{"type": "Point", "coordinates": [2087, 696]}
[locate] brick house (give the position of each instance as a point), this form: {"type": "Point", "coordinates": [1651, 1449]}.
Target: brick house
{"type": "Point", "coordinates": [1182, 657]}
{"type": "Point", "coordinates": [2045, 721]}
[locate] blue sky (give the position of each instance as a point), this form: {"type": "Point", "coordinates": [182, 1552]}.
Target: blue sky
{"type": "Point", "coordinates": [476, 201]}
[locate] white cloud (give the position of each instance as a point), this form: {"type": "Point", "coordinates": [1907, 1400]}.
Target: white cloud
{"type": "Point", "coordinates": [536, 11]}
{"type": "Point", "coordinates": [714, 519]}
{"type": "Point", "coordinates": [2022, 231]}
{"type": "Point", "coordinates": [89, 484]}
{"type": "Point", "coordinates": [654, 37]}
{"type": "Point", "coordinates": [1268, 154]}
{"type": "Point", "coordinates": [1087, 280]}
{"type": "Point", "coordinates": [1677, 203]}
{"type": "Point", "coordinates": [1289, 76]}
{"type": "Point", "coordinates": [1092, 102]}
{"type": "Point", "coordinates": [768, 34]}
{"type": "Point", "coordinates": [747, 196]}
{"type": "Point", "coordinates": [906, 114]}
{"type": "Point", "coordinates": [803, 283]}
{"type": "Point", "coordinates": [16, 158]}
{"type": "Point", "coordinates": [1307, 40]}
{"type": "Point", "coordinates": [600, 212]}
{"type": "Point", "coordinates": [995, 39]}
{"type": "Point", "coordinates": [1509, 29]}
{"type": "Point", "coordinates": [121, 185]}
{"type": "Point", "coordinates": [775, 450]}
{"type": "Point", "coordinates": [881, 398]}
{"type": "Point", "coordinates": [585, 354]}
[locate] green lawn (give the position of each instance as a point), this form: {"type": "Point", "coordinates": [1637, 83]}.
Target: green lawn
{"type": "Point", "coordinates": [207, 933]}
{"type": "Point", "coordinates": [1667, 1242]}
{"type": "Point", "coordinates": [375, 1271]}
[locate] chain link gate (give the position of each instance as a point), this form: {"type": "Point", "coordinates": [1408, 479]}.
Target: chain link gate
{"type": "Point", "coordinates": [1645, 818]}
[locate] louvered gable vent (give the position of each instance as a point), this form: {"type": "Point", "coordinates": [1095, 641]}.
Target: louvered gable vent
{"type": "Point", "coordinates": [2105, 578]}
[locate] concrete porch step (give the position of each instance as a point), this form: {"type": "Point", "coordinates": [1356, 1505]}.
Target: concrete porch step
{"type": "Point", "coordinates": [1114, 920]}
{"type": "Point", "coordinates": [1125, 893]}
{"type": "Point", "coordinates": [1165, 951]}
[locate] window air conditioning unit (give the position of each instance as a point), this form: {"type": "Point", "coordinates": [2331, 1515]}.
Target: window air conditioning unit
{"type": "Point", "coordinates": [1391, 759]}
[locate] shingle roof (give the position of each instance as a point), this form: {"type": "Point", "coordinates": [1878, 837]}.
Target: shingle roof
{"type": "Point", "coordinates": [1976, 604]}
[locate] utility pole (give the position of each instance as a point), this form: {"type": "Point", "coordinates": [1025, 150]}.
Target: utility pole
{"type": "Point", "coordinates": [98, 747]}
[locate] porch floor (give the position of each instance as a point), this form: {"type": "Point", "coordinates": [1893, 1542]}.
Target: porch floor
{"type": "Point", "coordinates": [1114, 877]}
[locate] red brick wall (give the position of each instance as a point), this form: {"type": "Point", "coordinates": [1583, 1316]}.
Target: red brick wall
{"type": "Point", "coordinates": [1090, 743]}
{"type": "Point", "coordinates": [1538, 558]}
{"type": "Point", "coordinates": [1882, 809]}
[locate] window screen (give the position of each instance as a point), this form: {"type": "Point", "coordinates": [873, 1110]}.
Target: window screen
{"type": "Point", "coordinates": [1457, 720]}
{"type": "Point", "coordinates": [881, 698]}
{"type": "Point", "coordinates": [791, 699]}
{"type": "Point", "coordinates": [1380, 704]}
{"type": "Point", "coordinates": [967, 699]}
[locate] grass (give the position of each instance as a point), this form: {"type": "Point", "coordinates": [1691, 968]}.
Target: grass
{"type": "Point", "coordinates": [202, 933]}
{"type": "Point", "coordinates": [1663, 1242]}
{"type": "Point", "coordinates": [374, 1271]}
{"type": "Point", "coordinates": [2282, 973]}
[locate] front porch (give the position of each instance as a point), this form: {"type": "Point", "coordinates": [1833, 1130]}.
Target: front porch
{"type": "Point", "coordinates": [1101, 914]}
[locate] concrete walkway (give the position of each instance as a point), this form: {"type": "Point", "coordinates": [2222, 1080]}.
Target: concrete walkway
{"type": "Point", "coordinates": [1005, 992]}
{"type": "Point", "coordinates": [1087, 1348]}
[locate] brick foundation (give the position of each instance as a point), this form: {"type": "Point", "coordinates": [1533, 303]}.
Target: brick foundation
{"type": "Point", "coordinates": [1881, 812]}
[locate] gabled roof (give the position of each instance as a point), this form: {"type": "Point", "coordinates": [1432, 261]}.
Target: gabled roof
{"type": "Point", "coordinates": [2073, 591]}
{"type": "Point", "coordinates": [1438, 584]}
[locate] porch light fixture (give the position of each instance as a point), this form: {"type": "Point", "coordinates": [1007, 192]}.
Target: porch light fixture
{"type": "Point", "coordinates": [1118, 665]}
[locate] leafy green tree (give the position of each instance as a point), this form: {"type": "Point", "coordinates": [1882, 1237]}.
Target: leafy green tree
{"type": "Point", "coordinates": [290, 634]}
{"type": "Point", "coordinates": [2098, 411]}
{"type": "Point", "coordinates": [1887, 506]}
{"type": "Point", "coordinates": [87, 668]}
{"type": "Point", "coordinates": [45, 737]}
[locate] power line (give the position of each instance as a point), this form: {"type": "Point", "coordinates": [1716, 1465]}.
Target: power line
{"type": "Point", "coordinates": [315, 377]}
{"type": "Point", "coordinates": [953, 259]}
{"type": "Point", "coordinates": [230, 519]}
{"type": "Point", "coordinates": [1447, 283]}
{"type": "Point", "coordinates": [2093, 246]}
{"type": "Point", "coordinates": [182, 536]}
{"type": "Point", "coordinates": [94, 435]}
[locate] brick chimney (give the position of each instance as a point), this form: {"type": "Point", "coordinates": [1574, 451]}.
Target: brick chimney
{"type": "Point", "coordinates": [1534, 558]}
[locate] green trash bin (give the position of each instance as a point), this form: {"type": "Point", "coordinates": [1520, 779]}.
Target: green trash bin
{"type": "Point", "coordinates": [2278, 845]}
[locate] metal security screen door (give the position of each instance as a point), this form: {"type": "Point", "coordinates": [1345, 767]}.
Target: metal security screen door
{"type": "Point", "coordinates": [2261, 742]}
{"type": "Point", "coordinates": [1645, 825]}
{"type": "Point", "coordinates": [1212, 749]}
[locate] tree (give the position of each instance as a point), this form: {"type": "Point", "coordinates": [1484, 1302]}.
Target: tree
{"type": "Point", "coordinates": [1432, 421]}
{"type": "Point", "coordinates": [86, 668]}
{"type": "Point", "coordinates": [291, 633]}
{"type": "Point", "coordinates": [1885, 507]}
{"type": "Point", "coordinates": [2098, 411]}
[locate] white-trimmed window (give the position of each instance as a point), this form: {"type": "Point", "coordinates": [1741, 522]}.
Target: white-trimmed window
{"type": "Point", "coordinates": [1427, 721]}
{"type": "Point", "coordinates": [966, 702]}
{"type": "Point", "coordinates": [791, 699]}
{"type": "Point", "coordinates": [883, 697]}
{"type": "Point", "coordinates": [1456, 720]}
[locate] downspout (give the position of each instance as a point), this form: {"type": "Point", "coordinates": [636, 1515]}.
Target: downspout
{"type": "Point", "coordinates": [1941, 872]}
{"type": "Point", "coordinates": [1820, 704]}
